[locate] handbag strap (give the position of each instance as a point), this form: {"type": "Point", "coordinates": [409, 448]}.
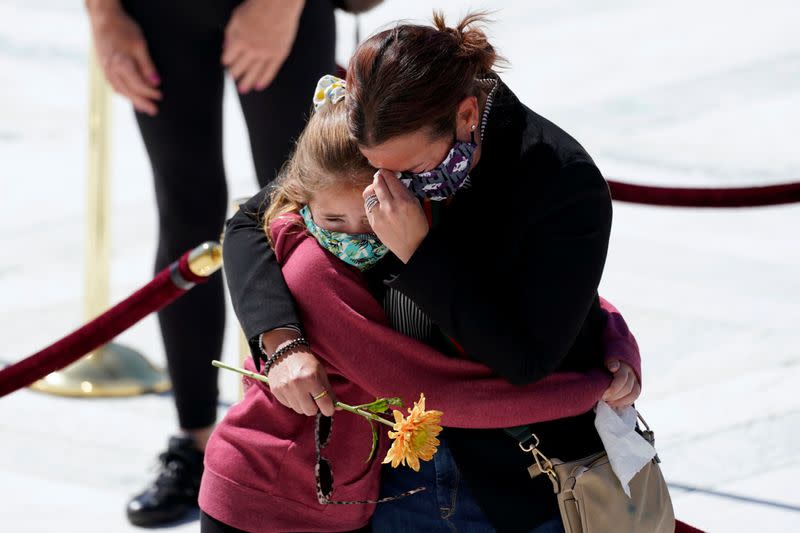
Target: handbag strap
{"type": "Point", "coordinates": [648, 435]}
{"type": "Point", "coordinates": [521, 433]}
{"type": "Point", "coordinates": [529, 442]}
{"type": "Point", "coordinates": [525, 436]}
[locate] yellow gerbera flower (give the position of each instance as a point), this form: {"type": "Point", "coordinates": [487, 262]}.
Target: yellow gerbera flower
{"type": "Point", "coordinates": [414, 438]}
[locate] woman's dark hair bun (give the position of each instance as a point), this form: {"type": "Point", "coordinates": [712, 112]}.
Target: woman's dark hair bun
{"type": "Point", "coordinates": [471, 39]}
{"type": "Point", "coordinates": [411, 76]}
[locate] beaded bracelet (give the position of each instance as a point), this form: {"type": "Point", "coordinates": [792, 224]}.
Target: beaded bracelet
{"type": "Point", "coordinates": [283, 350]}
{"type": "Point", "coordinates": [263, 355]}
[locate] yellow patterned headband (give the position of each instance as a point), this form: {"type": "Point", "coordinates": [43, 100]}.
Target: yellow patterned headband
{"type": "Point", "coordinates": [329, 89]}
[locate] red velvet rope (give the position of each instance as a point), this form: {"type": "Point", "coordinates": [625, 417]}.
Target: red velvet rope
{"type": "Point", "coordinates": [152, 297]}
{"type": "Point", "coordinates": [682, 527]}
{"type": "Point", "coordinates": [706, 197]}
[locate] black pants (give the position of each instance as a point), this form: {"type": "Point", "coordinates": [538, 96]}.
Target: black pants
{"type": "Point", "coordinates": [184, 143]}
{"type": "Point", "coordinates": [209, 524]}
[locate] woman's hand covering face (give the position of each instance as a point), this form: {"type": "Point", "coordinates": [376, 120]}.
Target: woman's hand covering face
{"type": "Point", "coordinates": [397, 219]}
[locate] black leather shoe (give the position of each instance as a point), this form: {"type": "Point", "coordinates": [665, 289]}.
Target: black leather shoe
{"type": "Point", "coordinates": [174, 492]}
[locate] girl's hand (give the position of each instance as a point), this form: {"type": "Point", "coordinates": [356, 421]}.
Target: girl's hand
{"type": "Point", "coordinates": [258, 39]}
{"type": "Point", "coordinates": [397, 219]}
{"type": "Point", "coordinates": [122, 55]}
{"type": "Point", "coordinates": [296, 379]}
{"type": "Point", "coordinates": [625, 387]}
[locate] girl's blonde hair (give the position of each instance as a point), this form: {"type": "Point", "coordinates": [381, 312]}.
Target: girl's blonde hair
{"type": "Point", "coordinates": [324, 156]}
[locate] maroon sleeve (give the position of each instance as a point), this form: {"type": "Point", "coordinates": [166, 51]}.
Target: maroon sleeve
{"type": "Point", "coordinates": [618, 340]}
{"type": "Point", "coordinates": [348, 330]}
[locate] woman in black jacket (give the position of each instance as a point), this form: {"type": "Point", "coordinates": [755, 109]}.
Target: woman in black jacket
{"type": "Point", "coordinates": [499, 262]}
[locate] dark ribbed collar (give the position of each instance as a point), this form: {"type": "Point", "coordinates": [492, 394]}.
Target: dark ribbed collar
{"type": "Point", "coordinates": [504, 132]}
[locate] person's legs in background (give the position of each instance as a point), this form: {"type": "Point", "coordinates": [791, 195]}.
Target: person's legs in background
{"type": "Point", "coordinates": [276, 116]}
{"type": "Point", "coordinates": [184, 144]}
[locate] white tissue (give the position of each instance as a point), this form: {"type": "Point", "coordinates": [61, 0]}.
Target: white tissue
{"type": "Point", "coordinates": [627, 451]}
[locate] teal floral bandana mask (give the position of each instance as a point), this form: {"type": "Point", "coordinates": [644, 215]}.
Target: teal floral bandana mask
{"type": "Point", "coordinates": [361, 250]}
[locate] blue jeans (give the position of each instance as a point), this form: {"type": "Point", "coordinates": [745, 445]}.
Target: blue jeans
{"type": "Point", "coordinates": [446, 505]}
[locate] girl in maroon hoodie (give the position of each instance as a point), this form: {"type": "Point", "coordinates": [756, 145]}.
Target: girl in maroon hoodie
{"type": "Point", "coordinates": [263, 462]}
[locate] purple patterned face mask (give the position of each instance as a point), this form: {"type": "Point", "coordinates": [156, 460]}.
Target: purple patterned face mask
{"type": "Point", "coordinates": [443, 181]}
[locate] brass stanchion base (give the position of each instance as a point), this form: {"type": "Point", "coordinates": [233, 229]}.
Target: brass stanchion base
{"type": "Point", "coordinates": [113, 370]}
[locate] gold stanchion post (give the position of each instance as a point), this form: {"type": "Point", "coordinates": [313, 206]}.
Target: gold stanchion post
{"type": "Point", "coordinates": [112, 370]}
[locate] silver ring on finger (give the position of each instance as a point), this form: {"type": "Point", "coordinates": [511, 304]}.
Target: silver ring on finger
{"type": "Point", "coordinates": [371, 202]}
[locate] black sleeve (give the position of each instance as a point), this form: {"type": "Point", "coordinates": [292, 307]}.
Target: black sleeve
{"type": "Point", "coordinates": [260, 297]}
{"type": "Point", "coordinates": [525, 335]}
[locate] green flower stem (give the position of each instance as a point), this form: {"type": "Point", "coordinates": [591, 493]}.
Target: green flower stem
{"type": "Point", "coordinates": [365, 414]}
{"type": "Point", "coordinates": [340, 405]}
{"type": "Point", "coordinates": [259, 377]}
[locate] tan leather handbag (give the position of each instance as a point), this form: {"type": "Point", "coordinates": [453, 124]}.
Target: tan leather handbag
{"type": "Point", "coordinates": [591, 498]}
